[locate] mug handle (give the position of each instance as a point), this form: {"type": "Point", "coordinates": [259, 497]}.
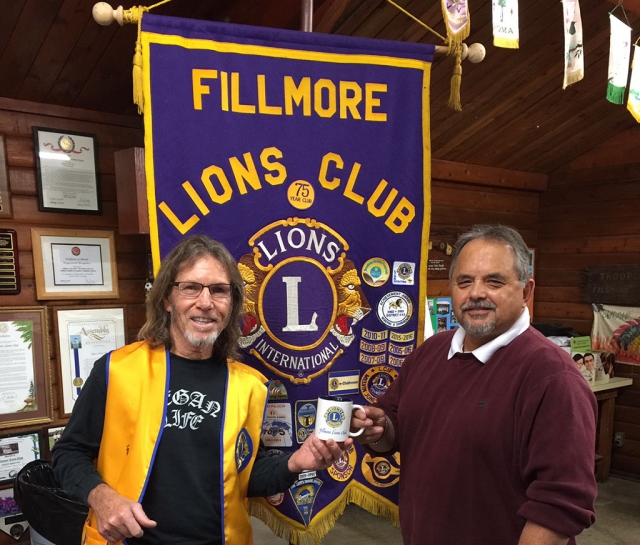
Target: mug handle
{"type": "Point", "coordinates": [355, 434]}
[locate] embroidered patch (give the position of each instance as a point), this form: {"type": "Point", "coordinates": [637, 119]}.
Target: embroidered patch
{"type": "Point", "coordinates": [403, 273]}
{"type": "Point", "coordinates": [344, 382]}
{"type": "Point", "coordinates": [381, 471]}
{"type": "Point", "coordinates": [244, 449]}
{"type": "Point", "coordinates": [402, 337]}
{"type": "Point", "coordinates": [304, 493]}
{"type": "Point", "coordinates": [376, 380]}
{"type": "Point", "coordinates": [395, 309]}
{"type": "Point", "coordinates": [276, 499]}
{"type": "Point", "coordinates": [375, 271]}
{"type": "Point", "coordinates": [277, 390]}
{"type": "Point", "coordinates": [342, 469]}
{"type": "Point", "coordinates": [305, 419]}
{"type": "Point", "coordinates": [375, 335]}
{"type": "Point", "coordinates": [303, 297]}
{"type": "Point", "coordinates": [277, 427]}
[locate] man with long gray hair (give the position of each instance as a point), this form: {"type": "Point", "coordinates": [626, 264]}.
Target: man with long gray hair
{"type": "Point", "coordinates": [488, 418]}
{"type": "Point", "coordinates": [174, 421]}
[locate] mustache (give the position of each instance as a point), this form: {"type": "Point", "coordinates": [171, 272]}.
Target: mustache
{"type": "Point", "coordinates": [484, 305]}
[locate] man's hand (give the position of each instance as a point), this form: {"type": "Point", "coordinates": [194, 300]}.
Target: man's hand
{"type": "Point", "coordinates": [118, 517]}
{"type": "Point", "coordinates": [316, 454]}
{"type": "Point", "coordinates": [375, 424]}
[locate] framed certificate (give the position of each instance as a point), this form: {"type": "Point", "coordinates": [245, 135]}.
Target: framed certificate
{"type": "Point", "coordinates": [16, 451]}
{"type": "Point", "coordinates": [67, 171]}
{"type": "Point", "coordinates": [84, 335]}
{"type": "Point", "coordinates": [25, 378]}
{"type": "Point", "coordinates": [74, 264]}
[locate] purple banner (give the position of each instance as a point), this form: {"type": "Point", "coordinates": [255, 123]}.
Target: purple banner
{"type": "Point", "coordinates": [308, 157]}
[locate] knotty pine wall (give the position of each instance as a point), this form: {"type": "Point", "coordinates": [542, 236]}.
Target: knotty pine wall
{"type": "Point", "coordinates": [113, 132]}
{"type": "Point", "coordinates": [590, 215]}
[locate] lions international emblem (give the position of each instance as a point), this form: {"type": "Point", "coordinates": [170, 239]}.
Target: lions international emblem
{"type": "Point", "coordinates": [303, 297]}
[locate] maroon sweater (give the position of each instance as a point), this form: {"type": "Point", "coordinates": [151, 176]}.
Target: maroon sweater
{"type": "Point", "coordinates": [486, 447]}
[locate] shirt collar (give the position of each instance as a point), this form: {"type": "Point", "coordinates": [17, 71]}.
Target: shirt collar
{"type": "Point", "coordinates": [484, 352]}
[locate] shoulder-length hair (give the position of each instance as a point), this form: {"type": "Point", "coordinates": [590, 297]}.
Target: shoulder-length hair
{"type": "Point", "coordinates": [156, 330]}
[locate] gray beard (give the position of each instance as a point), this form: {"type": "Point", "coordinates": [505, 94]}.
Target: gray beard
{"type": "Point", "coordinates": [201, 341]}
{"type": "Point", "coordinates": [478, 330]}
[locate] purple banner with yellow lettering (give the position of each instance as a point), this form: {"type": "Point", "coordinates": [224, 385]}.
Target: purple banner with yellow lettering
{"type": "Point", "coordinates": [308, 157]}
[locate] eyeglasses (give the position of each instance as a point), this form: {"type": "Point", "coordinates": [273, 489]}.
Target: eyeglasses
{"type": "Point", "coordinates": [191, 290]}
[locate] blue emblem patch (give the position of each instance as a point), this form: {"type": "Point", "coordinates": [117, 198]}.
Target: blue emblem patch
{"type": "Point", "coordinates": [244, 449]}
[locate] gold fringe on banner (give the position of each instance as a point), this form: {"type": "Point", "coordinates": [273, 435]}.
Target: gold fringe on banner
{"type": "Point", "coordinates": [457, 21]}
{"type": "Point", "coordinates": [298, 534]}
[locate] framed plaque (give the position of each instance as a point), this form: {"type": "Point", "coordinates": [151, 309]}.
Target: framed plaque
{"type": "Point", "coordinates": [16, 451]}
{"type": "Point", "coordinates": [25, 374]}
{"type": "Point", "coordinates": [67, 164]}
{"type": "Point", "coordinates": [13, 524]}
{"type": "Point", "coordinates": [5, 193]}
{"type": "Point", "coordinates": [74, 264]}
{"type": "Point", "coordinates": [84, 335]}
{"type": "Point", "coordinates": [9, 263]}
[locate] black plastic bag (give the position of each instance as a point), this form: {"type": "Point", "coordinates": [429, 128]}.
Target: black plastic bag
{"type": "Point", "coordinates": [53, 513]}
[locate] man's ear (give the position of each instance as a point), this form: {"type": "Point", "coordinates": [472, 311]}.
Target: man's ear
{"type": "Point", "coordinates": [167, 304]}
{"type": "Point", "coordinates": [528, 291]}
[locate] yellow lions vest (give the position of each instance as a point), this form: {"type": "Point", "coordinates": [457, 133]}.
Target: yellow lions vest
{"type": "Point", "coordinates": [134, 419]}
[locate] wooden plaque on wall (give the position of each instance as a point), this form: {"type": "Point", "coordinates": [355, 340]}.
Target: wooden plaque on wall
{"type": "Point", "coordinates": [611, 285]}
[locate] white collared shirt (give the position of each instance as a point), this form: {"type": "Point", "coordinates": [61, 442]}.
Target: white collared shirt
{"type": "Point", "coordinates": [484, 352]}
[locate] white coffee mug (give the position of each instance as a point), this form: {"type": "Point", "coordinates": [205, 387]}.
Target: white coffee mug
{"type": "Point", "coordinates": [333, 418]}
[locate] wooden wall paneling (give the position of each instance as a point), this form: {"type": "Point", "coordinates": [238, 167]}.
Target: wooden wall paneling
{"type": "Point", "coordinates": [80, 63]}
{"type": "Point", "coordinates": [619, 149]}
{"type": "Point", "coordinates": [487, 176]}
{"type": "Point", "coordinates": [107, 120]}
{"type": "Point", "coordinates": [510, 74]}
{"type": "Point", "coordinates": [467, 196]}
{"type": "Point", "coordinates": [603, 192]}
{"type": "Point", "coordinates": [57, 45]}
{"type": "Point", "coordinates": [465, 216]}
{"type": "Point", "coordinates": [361, 10]}
{"type": "Point", "coordinates": [34, 21]}
{"type": "Point", "coordinates": [555, 294]}
{"type": "Point", "coordinates": [326, 16]}
{"type": "Point", "coordinates": [587, 226]}
{"type": "Point", "coordinates": [594, 175]}
{"type": "Point", "coordinates": [10, 15]}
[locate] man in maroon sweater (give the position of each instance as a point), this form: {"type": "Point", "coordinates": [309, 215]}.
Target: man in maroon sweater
{"type": "Point", "coordinates": [488, 418]}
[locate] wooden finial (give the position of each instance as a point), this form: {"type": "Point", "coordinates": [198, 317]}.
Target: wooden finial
{"type": "Point", "coordinates": [476, 53]}
{"type": "Point", "coordinates": [104, 14]}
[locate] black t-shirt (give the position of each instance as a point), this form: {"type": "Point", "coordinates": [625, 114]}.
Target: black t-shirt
{"type": "Point", "coordinates": [186, 467]}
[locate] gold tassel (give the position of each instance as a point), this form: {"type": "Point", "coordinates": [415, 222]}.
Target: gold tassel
{"type": "Point", "coordinates": [456, 82]}
{"type": "Point", "coordinates": [134, 15]}
{"type": "Point", "coordinates": [138, 96]}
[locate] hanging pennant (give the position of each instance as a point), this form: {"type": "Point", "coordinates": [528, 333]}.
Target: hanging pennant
{"type": "Point", "coordinates": [456, 18]}
{"type": "Point", "coordinates": [619, 53]}
{"type": "Point", "coordinates": [506, 32]}
{"type": "Point", "coordinates": [633, 102]}
{"type": "Point", "coordinates": [573, 50]}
